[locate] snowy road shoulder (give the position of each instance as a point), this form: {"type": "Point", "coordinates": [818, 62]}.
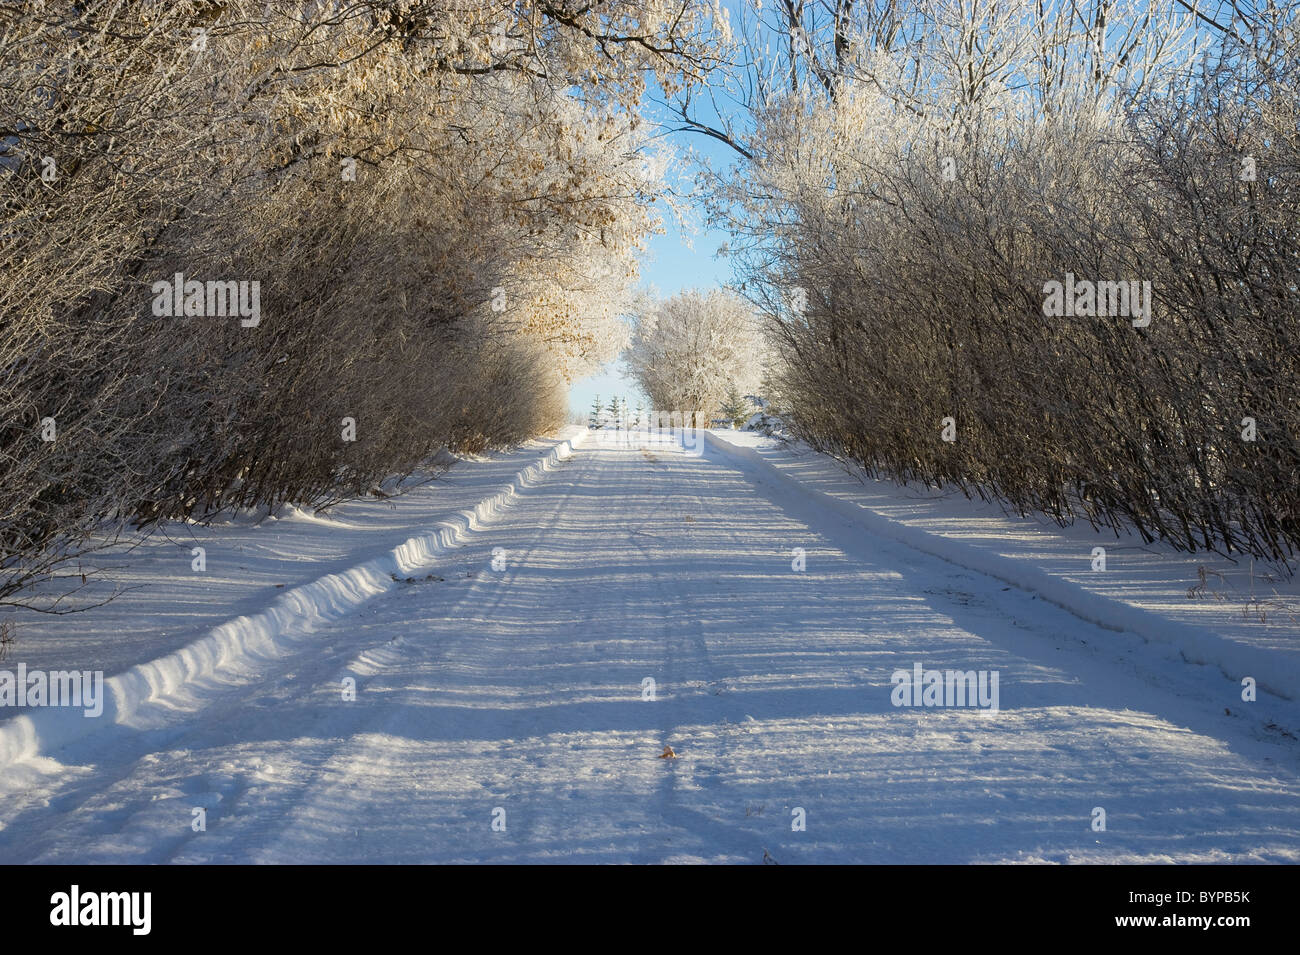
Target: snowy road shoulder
{"type": "Point", "coordinates": [1134, 587]}
{"type": "Point", "coordinates": [236, 651]}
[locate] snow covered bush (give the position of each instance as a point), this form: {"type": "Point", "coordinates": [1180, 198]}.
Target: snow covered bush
{"type": "Point", "coordinates": [689, 350]}
{"type": "Point", "coordinates": [919, 174]}
{"type": "Point", "coordinates": [440, 205]}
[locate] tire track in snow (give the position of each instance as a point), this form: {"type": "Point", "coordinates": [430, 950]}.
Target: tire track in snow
{"type": "Point", "coordinates": [533, 694]}
{"type": "Point", "coordinates": [377, 724]}
{"type": "Point", "coordinates": [119, 752]}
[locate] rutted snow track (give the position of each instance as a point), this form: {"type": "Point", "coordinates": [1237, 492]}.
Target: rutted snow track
{"type": "Point", "coordinates": [516, 695]}
{"type": "Point", "coordinates": [240, 644]}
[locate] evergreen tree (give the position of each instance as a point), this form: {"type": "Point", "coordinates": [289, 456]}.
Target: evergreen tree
{"type": "Point", "coordinates": [735, 407]}
{"type": "Point", "coordinates": [594, 420]}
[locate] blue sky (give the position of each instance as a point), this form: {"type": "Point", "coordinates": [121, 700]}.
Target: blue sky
{"type": "Point", "coordinates": [681, 258]}
{"type": "Point", "coordinates": [671, 267]}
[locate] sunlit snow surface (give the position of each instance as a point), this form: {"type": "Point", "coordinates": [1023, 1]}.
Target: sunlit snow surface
{"type": "Point", "coordinates": [521, 690]}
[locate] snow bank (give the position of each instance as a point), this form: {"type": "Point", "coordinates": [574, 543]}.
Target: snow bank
{"type": "Point", "coordinates": [1275, 671]}
{"type": "Point", "coordinates": [234, 648]}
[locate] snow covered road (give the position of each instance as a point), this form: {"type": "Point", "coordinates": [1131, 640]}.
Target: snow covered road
{"type": "Point", "coordinates": [502, 712]}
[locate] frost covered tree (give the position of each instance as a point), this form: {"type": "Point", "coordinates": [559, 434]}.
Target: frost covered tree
{"type": "Point", "coordinates": [442, 205]}
{"type": "Point", "coordinates": [687, 351]}
{"type": "Point", "coordinates": [913, 175]}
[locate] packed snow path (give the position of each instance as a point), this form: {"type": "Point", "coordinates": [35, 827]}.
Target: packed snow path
{"type": "Point", "coordinates": [512, 691]}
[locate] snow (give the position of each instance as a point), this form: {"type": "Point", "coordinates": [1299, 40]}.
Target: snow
{"type": "Point", "coordinates": [232, 647]}
{"type": "Point", "coordinates": [1143, 589]}
{"type": "Point", "coordinates": [508, 674]}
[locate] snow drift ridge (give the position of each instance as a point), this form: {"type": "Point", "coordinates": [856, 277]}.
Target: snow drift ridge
{"type": "Point", "coordinates": [232, 649]}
